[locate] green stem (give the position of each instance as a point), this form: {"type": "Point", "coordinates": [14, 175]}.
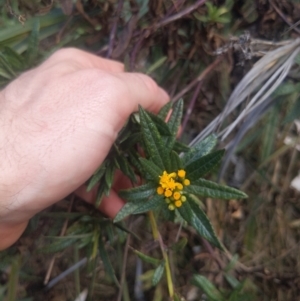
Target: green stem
{"type": "Point", "coordinates": [153, 224]}
{"type": "Point", "coordinates": [157, 236]}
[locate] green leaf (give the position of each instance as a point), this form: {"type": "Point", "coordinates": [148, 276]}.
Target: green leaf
{"type": "Point", "coordinates": [167, 214]}
{"type": "Point", "coordinates": [13, 283]}
{"type": "Point", "coordinates": [159, 271]}
{"type": "Point", "coordinates": [126, 168]}
{"type": "Point", "coordinates": [58, 245]}
{"type": "Point", "coordinates": [126, 210]}
{"type": "Point", "coordinates": [174, 123]}
{"type": "Point", "coordinates": [98, 174]}
{"type": "Point", "coordinates": [15, 59]}
{"type": "Point", "coordinates": [150, 204]}
{"type": "Point", "coordinates": [156, 65]}
{"type": "Point", "coordinates": [175, 161]}
{"type": "Point", "coordinates": [130, 139]}
{"type": "Point", "coordinates": [209, 289]}
{"type": "Point", "coordinates": [180, 147]}
{"type": "Point", "coordinates": [153, 141]}
{"type": "Point", "coordinates": [163, 113]}
{"type": "Point", "coordinates": [224, 19]}
{"type": "Point", "coordinates": [162, 127]}
{"type": "Point", "coordinates": [293, 113]}
{"type": "Point", "coordinates": [139, 206]}
{"type": "Point", "coordinates": [151, 168]}
{"type": "Point", "coordinates": [234, 283]}
{"type": "Point", "coordinates": [138, 193]}
{"type": "Point", "coordinates": [106, 262]}
{"type": "Point", "coordinates": [6, 67]}
{"type": "Point", "coordinates": [177, 297]}
{"type": "Point", "coordinates": [196, 217]}
{"type": "Point", "coordinates": [286, 88]}
{"type": "Point", "coordinates": [134, 160]}
{"type": "Point", "coordinates": [200, 149]}
{"type": "Point", "coordinates": [203, 165]}
{"type": "Point", "coordinates": [210, 189]}
{"type": "Point", "coordinates": [146, 258]}
{"type": "Point", "coordinates": [102, 190]}
{"type": "Point", "coordinates": [33, 42]}
{"type": "Point", "coordinates": [109, 175]}
{"type": "Point", "coordinates": [179, 245]}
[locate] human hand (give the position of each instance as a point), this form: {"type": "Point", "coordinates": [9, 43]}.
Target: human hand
{"type": "Point", "coordinates": [58, 122]}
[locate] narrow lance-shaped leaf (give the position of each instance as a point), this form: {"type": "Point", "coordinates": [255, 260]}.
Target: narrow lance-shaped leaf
{"type": "Point", "coordinates": [146, 258]}
{"type": "Point", "coordinates": [159, 271]}
{"type": "Point", "coordinates": [109, 175]}
{"type": "Point", "coordinates": [174, 123]}
{"type": "Point", "coordinates": [6, 66]}
{"type": "Point", "coordinates": [15, 59]}
{"type": "Point", "coordinates": [180, 147]}
{"type": "Point", "coordinates": [196, 217]}
{"type": "Point", "coordinates": [126, 168]}
{"type": "Point", "coordinates": [96, 177]}
{"type": "Point", "coordinates": [175, 161]}
{"type": "Point", "coordinates": [210, 290]}
{"type": "Point", "coordinates": [153, 141]}
{"type": "Point", "coordinates": [203, 165]}
{"type": "Point", "coordinates": [126, 210]}
{"type": "Point", "coordinates": [134, 160]}
{"type": "Point", "coordinates": [200, 149]}
{"type": "Point", "coordinates": [140, 192]}
{"type": "Point", "coordinates": [163, 113]}
{"type": "Point", "coordinates": [106, 262]}
{"type": "Point", "coordinates": [100, 193]}
{"type": "Point", "coordinates": [33, 42]}
{"type": "Point", "coordinates": [58, 245]}
{"type": "Point", "coordinates": [160, 124]}
{"type": "Point", "coordinates": [152, 169]}
{"type": "Point", "coordinates": [150, 204]}
{"type": "Point", "coordinates": [210, 189]}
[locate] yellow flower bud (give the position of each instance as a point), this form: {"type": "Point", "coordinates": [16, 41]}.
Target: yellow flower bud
{"type": "Point", "coordinates": [176, 195]}
{"type": "Point", "coordinates": [171, 207]}
{"type": "Point", "coordinates": [168, 193]}
{"type": "Point", "coordinates": [183, 199]}
{"type": "Point", "coordinates": [168, 201]}
{"type": "Point", "coordinates": [178, 203]}
{"type": "Point", "coordinates": [179, 186]}
{"type": "Point", "coordinates": [186, 182]}
{"type": "Point", "coordinates": [160, 190]}
{"type": "Point", "coordinates": [181, 173]}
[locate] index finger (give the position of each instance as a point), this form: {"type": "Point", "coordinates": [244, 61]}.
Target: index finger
{"type": "Point", "coordinates": [144, 91]}
{"type": "Point", "coordinates": [84, 59]}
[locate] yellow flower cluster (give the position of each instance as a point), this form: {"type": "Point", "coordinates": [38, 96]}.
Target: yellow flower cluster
{"type": "Point", "coordinates": [171, 186]}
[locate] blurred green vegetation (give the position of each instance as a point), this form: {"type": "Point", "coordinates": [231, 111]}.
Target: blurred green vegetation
{"type": "Point", "coordinates": [176, 42]}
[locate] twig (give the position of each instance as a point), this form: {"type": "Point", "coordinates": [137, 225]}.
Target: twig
{"type": "Point", "coordinates": [282, 15]}
{"type": "Point", "coordinates": [112, 35]}
{"type": "Point", "coordinates": [175, 7]}
{"type": "Point", "coordinates": [181, 14]}
{"type": "Point", "coordinates": [197, 79]}
{"type": "Point", "coordinates": [213, 253]}
{"type": "Point", "coordinates": [157, 236]}
{"type": "Point", "coordinates": [123, 272]}
{"type": "Point", "coordinates": [64, 274]}
{"type": "Point", "coordinates": [134, 53]}
{"type": "Point", "coordinates": [191, 106]}
{"type": "Point", "coordinates": [62, 233]}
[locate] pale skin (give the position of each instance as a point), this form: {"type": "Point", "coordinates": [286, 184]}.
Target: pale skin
{"type": "Point", "coordinates": [57, 124]}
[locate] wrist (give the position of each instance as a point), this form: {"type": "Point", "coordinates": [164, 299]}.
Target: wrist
{"type": "Point", "coordinates": [8, 171]}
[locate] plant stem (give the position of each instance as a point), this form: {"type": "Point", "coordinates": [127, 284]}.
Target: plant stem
{"type": "Point", "coordinates": [157, 236]}
{"type": "Point", "coordinates": [155, 232]}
